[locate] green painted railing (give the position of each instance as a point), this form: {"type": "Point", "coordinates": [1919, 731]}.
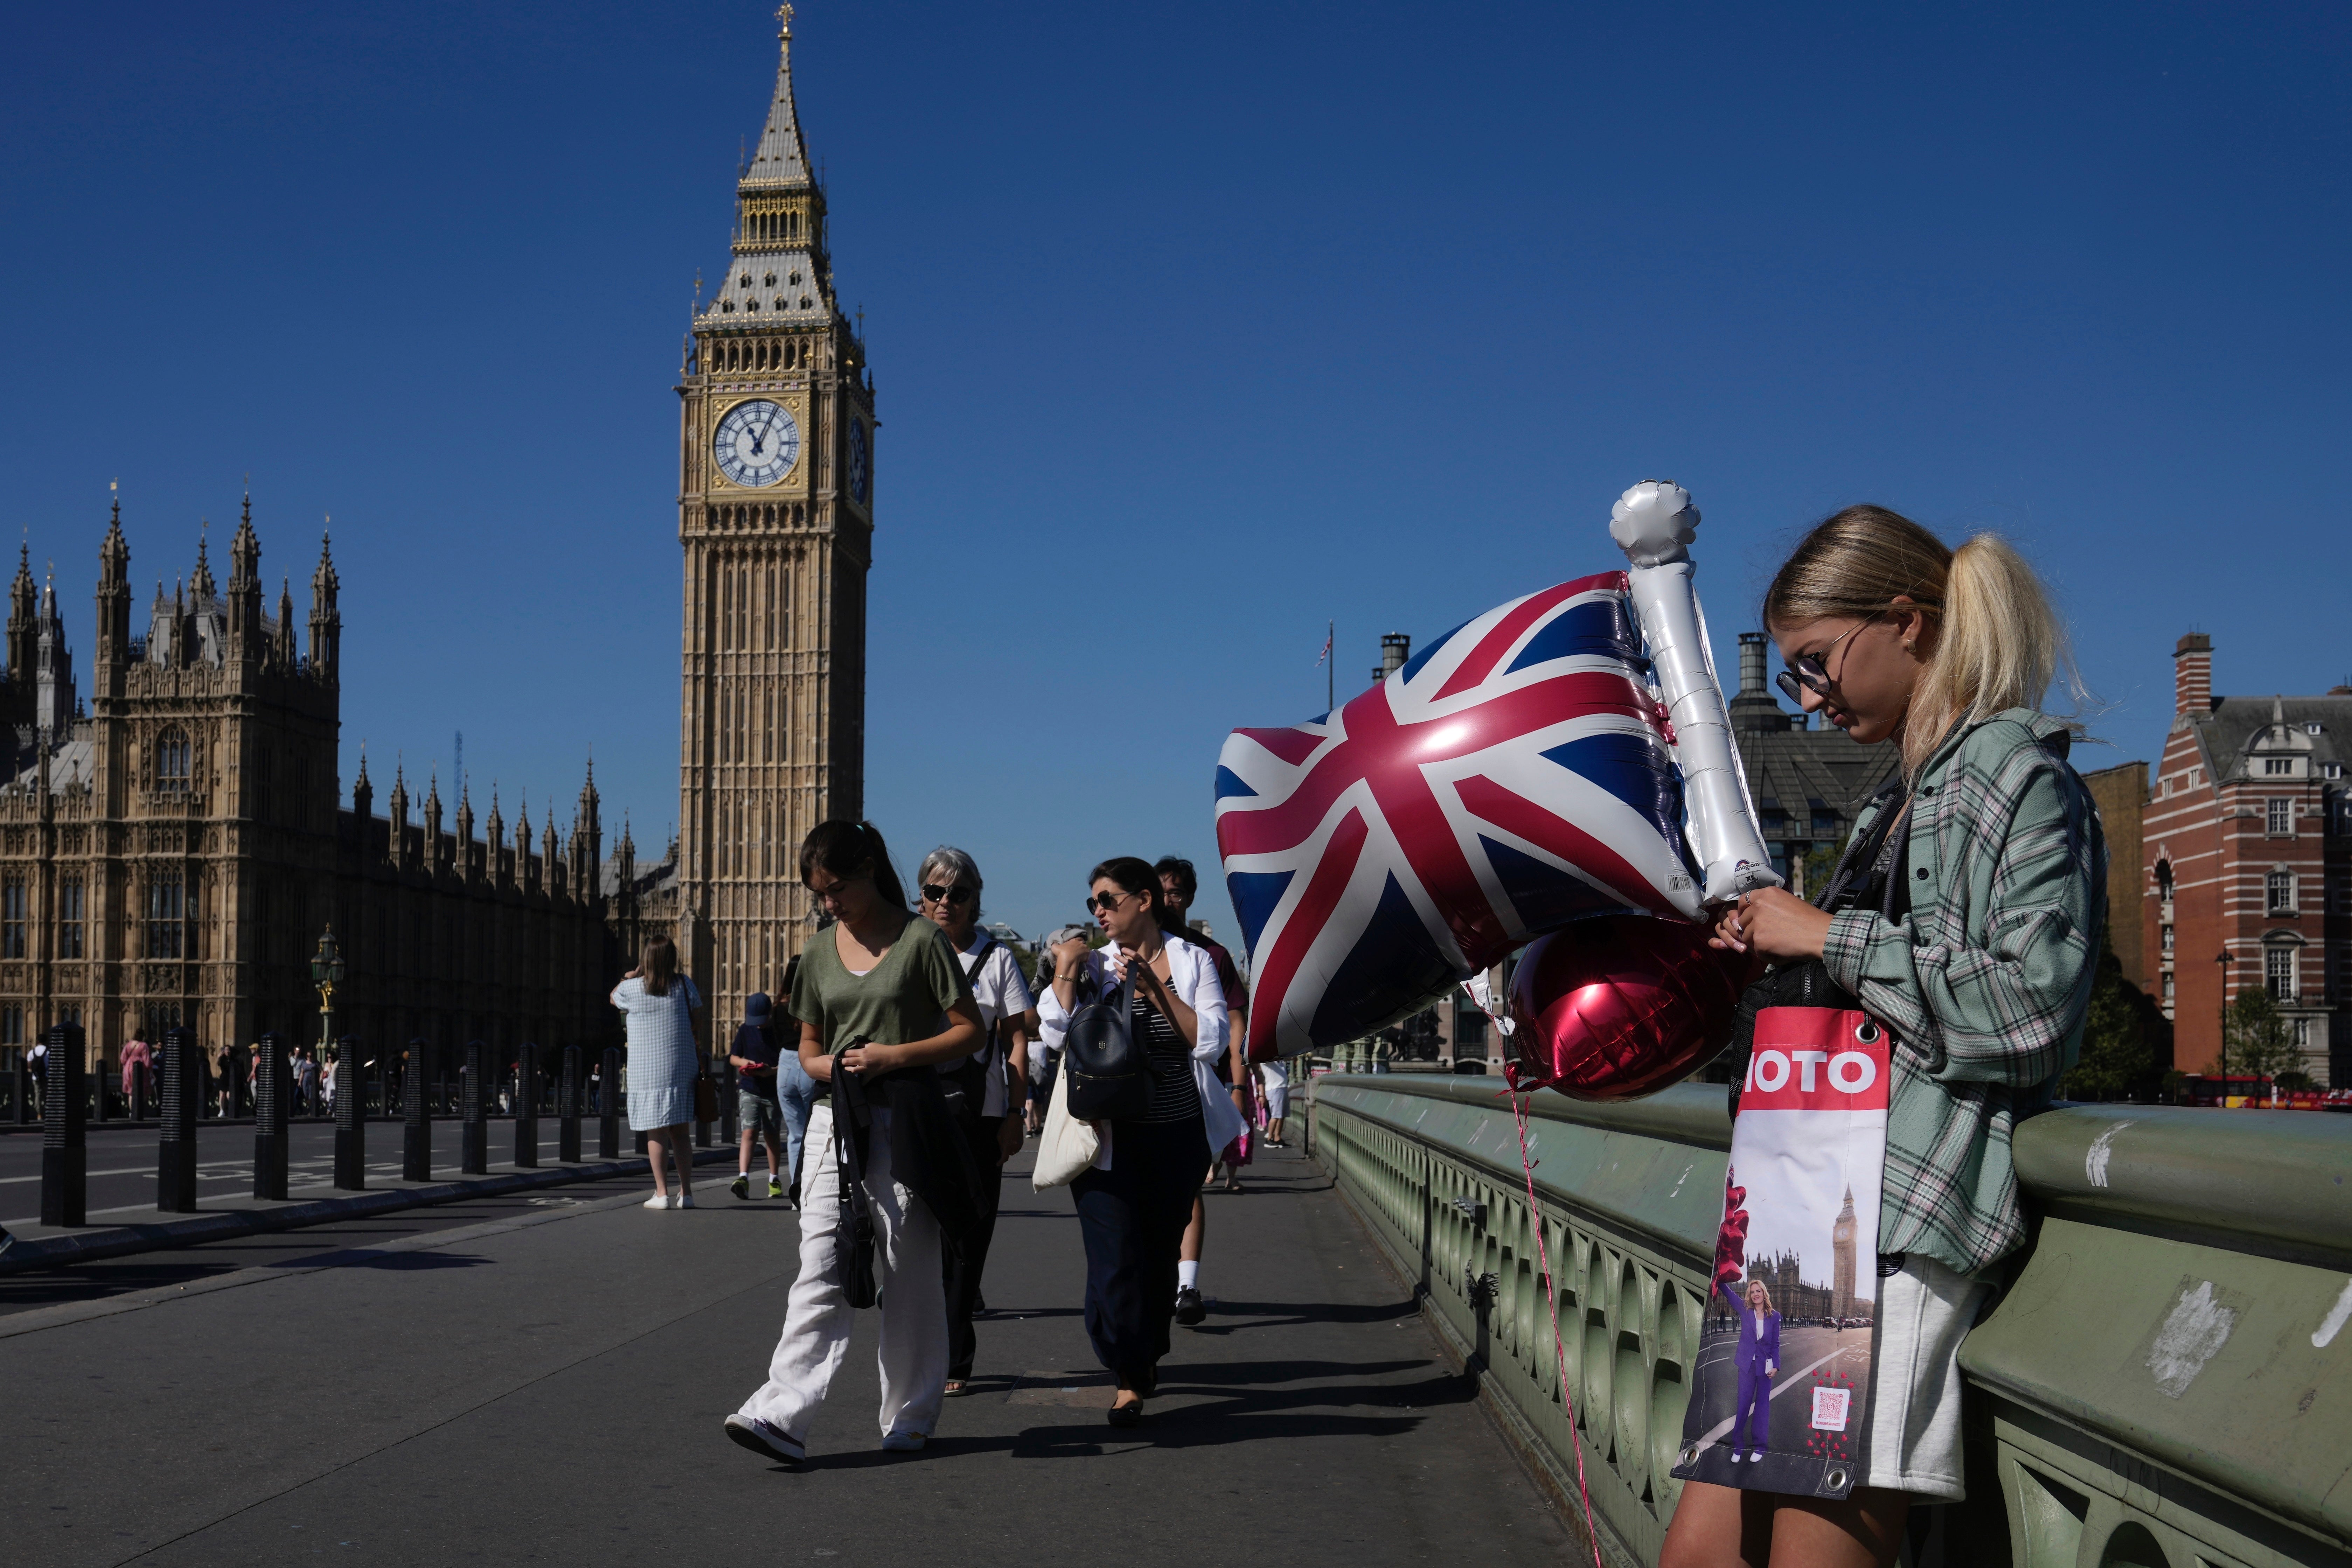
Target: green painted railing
{"type": "Point", "coordinates": [2165, 1383]}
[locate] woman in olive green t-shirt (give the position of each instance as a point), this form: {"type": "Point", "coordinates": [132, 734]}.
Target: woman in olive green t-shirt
{"type": "Point", "coordinates": [880, 975]}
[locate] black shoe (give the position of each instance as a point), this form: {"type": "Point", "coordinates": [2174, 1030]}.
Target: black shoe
{"type": "Point", "coordinates": [1125, 1414]}
{"type": "Point", "coordinates": [979, 1304]}
{"type": "Point", "coordinates": [1189, 1307]}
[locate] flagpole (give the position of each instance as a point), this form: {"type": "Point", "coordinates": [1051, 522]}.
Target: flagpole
{"type": "Point", "coordinates": [1330, 669]}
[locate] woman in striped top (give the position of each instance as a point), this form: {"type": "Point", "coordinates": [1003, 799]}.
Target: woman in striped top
{"type": "Point", "coordinates": [1133, 1205]}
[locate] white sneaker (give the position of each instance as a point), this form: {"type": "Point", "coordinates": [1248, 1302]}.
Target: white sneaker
{"type": "Point", "coordinates": [659, 1201]}
{"type": "Point", "coordinates": [903, 1443]}
{"type": "Point", "coordinates": [1734, 1455]}
{"type": "Point", "coordinates": [683, 1201]}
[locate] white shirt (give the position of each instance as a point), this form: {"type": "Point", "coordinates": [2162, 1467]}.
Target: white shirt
{"type": "Point", "coordinates": [1192, 976]}
{"type": "Point", "coordinates": [1001, 993]}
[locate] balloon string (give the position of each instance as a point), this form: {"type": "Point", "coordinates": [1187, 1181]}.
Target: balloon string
{"type": "Point", "coordinates": [1558, 1346]}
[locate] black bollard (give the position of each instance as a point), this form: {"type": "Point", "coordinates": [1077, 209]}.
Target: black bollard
{"type": "Point", "coordinates": [608, 1106]}
{"type": "Point", "coordinates": [526, 1107]}
{"type": "Point", "coordinates": [729, 1129]}
{"type": "Point", "coordinates": [269, 1097]}
{"type": "Point", "coordinates": [183, 1097]}
{"type": "Point", "coordinates": [141, 1096]}
{"type": "Point", "coordinates": [416, 1158]}
{"type": "Point", "coordinates": [350, 1124]}
{"type": "Point", "coordinates": [97, 1107]}
{"type": "Point", "coordinates": [567, 1108]}
{"type": "Point", "coordinates": [21, 1080]}
{"type": "Point", "coordinates": [65, 1157]}
{"type": "Point", "coordinates": [474, 1113]}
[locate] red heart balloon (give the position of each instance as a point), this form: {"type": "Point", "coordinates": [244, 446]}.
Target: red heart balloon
{"type": "Point", "coordinates": [1619, 1006]}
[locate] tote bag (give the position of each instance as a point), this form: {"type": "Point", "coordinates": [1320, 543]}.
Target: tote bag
{"type": "Point", "coordinates": [1067, 1145]}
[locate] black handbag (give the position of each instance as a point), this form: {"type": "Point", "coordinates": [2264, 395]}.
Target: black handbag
{"type": "Point", "coordinates": [1108, 1075]}
{"type": "Point", "coordinates": [853, 1232]}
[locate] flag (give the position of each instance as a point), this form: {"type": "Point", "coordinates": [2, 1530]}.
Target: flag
{"type": "Point", "coordinates": [1327, 646]}
{"type": "Point", "coordinates": [1513, 776]}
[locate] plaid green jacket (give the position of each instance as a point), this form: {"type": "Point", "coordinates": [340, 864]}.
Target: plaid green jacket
{"type": "Point", "coordinates": [1985, 984]}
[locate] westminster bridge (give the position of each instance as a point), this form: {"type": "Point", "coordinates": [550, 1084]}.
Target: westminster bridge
{"type": "Point", "coordinates": [523, 1361]}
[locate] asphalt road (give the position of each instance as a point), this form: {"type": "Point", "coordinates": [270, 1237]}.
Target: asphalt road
{"type": "Point", "coordinates": [121, 1161]}
{"type": "Point", "coordinates": [548, 1386]}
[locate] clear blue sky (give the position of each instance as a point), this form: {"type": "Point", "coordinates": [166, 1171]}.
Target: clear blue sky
{"type": "Point", "coordinates": [1191, 325]}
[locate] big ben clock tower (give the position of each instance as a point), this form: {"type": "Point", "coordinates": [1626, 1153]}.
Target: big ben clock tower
{"type": "Point", "coordinates": [775, 495]}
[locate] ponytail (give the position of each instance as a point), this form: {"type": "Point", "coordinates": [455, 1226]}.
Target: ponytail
{"type": "Point", "coordinates": [1999, 644]}
{"type": "Point", "coordinates": [2002, 646]}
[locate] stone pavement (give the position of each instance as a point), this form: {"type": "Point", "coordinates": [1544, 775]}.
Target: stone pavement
{"type": "Point", "coordinates": [547, 1387]}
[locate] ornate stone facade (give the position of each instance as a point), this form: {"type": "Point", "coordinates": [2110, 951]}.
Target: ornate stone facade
{"type": "Point", "coordinates": [776, 446]}
{"type": "Point", "coordinates": [174, 853]}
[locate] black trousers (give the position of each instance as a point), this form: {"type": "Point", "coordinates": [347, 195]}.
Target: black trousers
{"type": "Point", "coordinates": [1132, 1217]}
{"type": "Point", "coordinates": [964, 1265]}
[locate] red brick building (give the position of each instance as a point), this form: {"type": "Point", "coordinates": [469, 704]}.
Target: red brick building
{"type": "Point", "coordinates": [2247, 850]}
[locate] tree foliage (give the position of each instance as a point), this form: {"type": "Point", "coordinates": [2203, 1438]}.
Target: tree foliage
{"type": "Point", "coordinates": [2118, 1054]}
{"type": "Point", "coordinates": [2262, 1038]}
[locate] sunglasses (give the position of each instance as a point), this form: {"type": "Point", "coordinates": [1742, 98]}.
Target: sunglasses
{"type": "Point", "coordinates": [1105, 902]}
{"type": "Point", "coordinates": [1808, 672]}
{"type": "Point", "coordinates": [934, 894]}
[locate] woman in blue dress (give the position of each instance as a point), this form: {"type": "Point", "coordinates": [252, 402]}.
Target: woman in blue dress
{"type": "Point", "coordinates": [663, 1063]}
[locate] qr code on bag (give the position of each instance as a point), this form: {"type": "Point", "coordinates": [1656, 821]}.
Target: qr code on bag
{"type": "Point", "coordinates": [1830, 1406]}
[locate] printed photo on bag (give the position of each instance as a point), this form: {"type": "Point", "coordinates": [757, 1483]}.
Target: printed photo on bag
{"type": "Point", "coordinates": [1780, 1392]}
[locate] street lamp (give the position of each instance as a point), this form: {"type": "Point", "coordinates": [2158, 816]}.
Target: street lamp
{"type": "Point", "coordinates": [326, 974]}
{"type": "Point", "coordinates": [2224, 961]}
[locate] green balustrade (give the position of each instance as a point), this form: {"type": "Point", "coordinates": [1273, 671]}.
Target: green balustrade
{"type": "Point", "coordinates": [2166, 1382]}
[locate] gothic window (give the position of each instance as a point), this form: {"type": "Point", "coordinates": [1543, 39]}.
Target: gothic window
{"type": "Point", "coordinates": [2280, 887]}
{"type": "Point", "coordinates": [12, 1025]}
{"type": "Point", "coordinates": [2164, 880]}
{"type": "Point", "coordinates": [172, 761]}
{"type": "Point", "coordinates": [166, 914]}
{"type": "Point", "coordinates": [264, 763]}
{"type": "Point", "coordinates": [2167, 988]}
{"type": "Point", "coordinates": [69, 915]}
{"type": "Point", "coordinates": [768, 728]}
{"type": "Point", "coordinates": [2167, 941]}
{"type": "Point", "coordinates": [2278, 816]}
{"type": "Point", "coordinates": [12, 918]}
{"type": "Point", "coordinates": [2278, 973]}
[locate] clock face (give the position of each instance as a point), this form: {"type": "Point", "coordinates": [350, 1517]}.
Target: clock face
{"type": "Point", "coordinates": [758, 443]}
{"type": "Point", "coordinates": [858, 468]}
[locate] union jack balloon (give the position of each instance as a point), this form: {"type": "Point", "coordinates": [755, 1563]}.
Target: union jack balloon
{"type": "Point", "coordinates": [1517, 775]}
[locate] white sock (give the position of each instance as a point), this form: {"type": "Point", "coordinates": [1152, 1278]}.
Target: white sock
{"type": "Point", "coordinates": [1188, 1276]}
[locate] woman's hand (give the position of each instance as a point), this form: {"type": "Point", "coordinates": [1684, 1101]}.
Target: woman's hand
{"type": "Point", "coordinates": [1773, 922]}
{"type": "Point", "coordinates": [1070, 957]}
{"type": "Point", "coordinates": [874, 1058]}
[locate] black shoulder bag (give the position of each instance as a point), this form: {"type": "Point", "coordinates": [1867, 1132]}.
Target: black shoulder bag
{"type": "Point", "coordinates": [1108, 1075]}
{"type": "Point", "coordinates": [853, 1232]}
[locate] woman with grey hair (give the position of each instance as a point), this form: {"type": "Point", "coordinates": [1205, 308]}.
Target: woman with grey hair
{"type": "Point", "coordinates": [980, 1087]}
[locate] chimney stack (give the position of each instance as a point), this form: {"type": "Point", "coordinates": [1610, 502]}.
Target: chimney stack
{"type": "Point", "coordinates": [2192, 676]}
{"type": "Point", "coordinates": [1751, 665]}
{"type": "Point", "coordinates": [1396, 648]}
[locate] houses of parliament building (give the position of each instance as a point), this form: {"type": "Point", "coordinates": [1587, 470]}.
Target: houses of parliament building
{"type": "Point", "coordinates": [172, 848]}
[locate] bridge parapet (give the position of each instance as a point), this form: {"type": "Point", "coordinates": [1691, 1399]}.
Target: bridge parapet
{"type": "Point", "coordinates": [2167, 1380]}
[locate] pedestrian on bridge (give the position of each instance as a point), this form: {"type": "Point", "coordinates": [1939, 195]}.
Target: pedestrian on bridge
{"type": "Point", "coordinates": [757, 1057]}
{"type": "Point", "coordinates": [1178, 885]}
{"type": "Point", "coordinates": [881, 1001]}
{"type": "Point", "coordinates": [1044, 1057]}
{"type": "Point", "coordinates": [659, 1003]}
{"type": "Point", "coordinates": [979, 1087]}
{"type": "Point", "coordinates": [1963, 922]}
{"type": "Point", "coordinates": [1134, 1215]}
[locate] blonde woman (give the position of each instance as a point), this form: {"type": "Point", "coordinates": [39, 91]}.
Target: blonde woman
{"type": "Point", "coordinates": [1999, 875]}
{"type": "Point", "coordinates": [663, 1063]}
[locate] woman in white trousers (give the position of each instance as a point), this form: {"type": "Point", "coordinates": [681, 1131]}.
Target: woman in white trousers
{"type": "Point", "coordinates": [877, 992]}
